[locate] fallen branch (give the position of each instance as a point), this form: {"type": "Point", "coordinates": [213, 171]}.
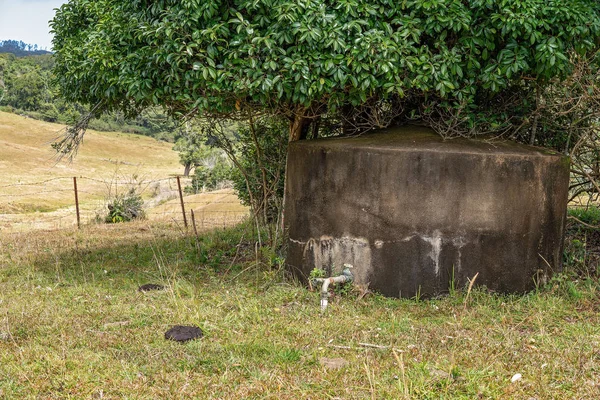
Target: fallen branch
{"type": "Point", "coordinates": [369, 345]}
{"type": "Point", "coordinates": [583, 223]}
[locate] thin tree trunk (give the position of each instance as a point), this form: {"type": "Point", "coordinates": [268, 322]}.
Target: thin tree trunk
{"type": "Point", "coordinates": [538, 95]}
{"type": "Point", "coordinates": [297, 124]}
{"type": "Point", "coordinates": [263, 172]}
{"type": "Point", "coordinates": [315, 128]}
{"type": "Point", "coordinates": [187, 169]}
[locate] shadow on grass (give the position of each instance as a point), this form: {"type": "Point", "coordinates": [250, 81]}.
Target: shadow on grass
{"type": "Point", "coordinates": [127, 253]}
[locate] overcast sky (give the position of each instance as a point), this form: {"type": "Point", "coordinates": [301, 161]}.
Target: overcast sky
{"type": "Point", "coordinates": [27, 20]}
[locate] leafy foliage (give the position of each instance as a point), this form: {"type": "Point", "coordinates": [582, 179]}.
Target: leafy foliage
{"type": "Point", "coordinates": [210, 177]}
{"type": "Point", "coordinates": [581, 255]}
{"type": "Point", "coordinates": [27, 86]}
{"type": "Point", "coordinates": [193, 152]}
{"type": "Point", "coordinates": [125, 207]}
{"type": "Point", "coordinates": [307, 58]}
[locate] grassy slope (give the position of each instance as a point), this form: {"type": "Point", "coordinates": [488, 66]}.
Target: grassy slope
{"type": "Point", "coordinates": [25, 152]}
{"type": "Point", "coordinates": [26, 157]}
{"type": "Point", "coordinates": [72, 325]}
{"type": "Point", "coordinates": [105, 157]}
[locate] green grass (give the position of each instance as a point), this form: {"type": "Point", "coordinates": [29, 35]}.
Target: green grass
{"type": "Point", "coordinates": [589, 215]}
{"type": "Point", "coordinates": [73, 325]}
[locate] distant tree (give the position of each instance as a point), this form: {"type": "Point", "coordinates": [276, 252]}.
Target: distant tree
{"type": "Point", "coordinates": [191, 149]}
{"type": "Point", "coordinates": [20, 49]}
{"type": "Point", "coordinates": [26, 84]}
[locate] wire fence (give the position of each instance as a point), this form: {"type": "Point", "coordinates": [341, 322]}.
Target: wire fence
{"type": "Point", "coordinates": [66, 201]}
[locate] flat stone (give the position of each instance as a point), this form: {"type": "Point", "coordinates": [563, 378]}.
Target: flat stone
{"type": "Point", "coordinates": [439, 374]}
{"type": "Point", "coordinates": [333, 363]}
{"type": "Point", "coordinates": [183, 333]}
{"type": "Point", "coordinates": [150, 286]}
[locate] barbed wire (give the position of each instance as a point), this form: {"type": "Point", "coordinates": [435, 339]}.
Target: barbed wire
{"type": "Point", "coordinates": [35, 183]}
{"type": "Point", "coordinates": [128, 182]}
{"type": "Point", "coordinates": [167, 196]}
{"type": "Point", "coordinates": [111, 181]}
{"type": "Point", "coordinates": [37, 193]}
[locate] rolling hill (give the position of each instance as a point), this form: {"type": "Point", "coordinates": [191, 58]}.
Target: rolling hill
{"type": "Point", "coordinates": [36, 190]}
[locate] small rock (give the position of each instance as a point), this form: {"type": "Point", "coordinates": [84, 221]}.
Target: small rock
{"type": "Point", "coordinates": [439, 374]}
{"type": "Point", "coordinates": [516, 377]}
{"type": "Point", "coordinates": [150, 286]}
{"type": "Point", "coordinates": [118, 323]}
{"type": "Point", "coordinates": [183, 333]}
{"type": "Point", "coordinates": [333, 363]}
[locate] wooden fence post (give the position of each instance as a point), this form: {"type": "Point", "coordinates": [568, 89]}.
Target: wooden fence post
{"type": "Point", "coordinates": [194, 223]}
{"type": "Point", "coordinates": [77, 203]}
{"type": "Point", "coordinates": [182, 205]}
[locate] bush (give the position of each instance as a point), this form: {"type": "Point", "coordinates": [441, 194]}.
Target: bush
{"type": "Point", "coordinates": [582, 242]}
{"type": "Point", "coordinates": [125, 208]}
{"type": "Point", "coordinates": [271, 137]}
{"type": "Point", "coordinates": [49, 112]}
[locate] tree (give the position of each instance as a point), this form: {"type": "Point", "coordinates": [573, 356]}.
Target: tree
{"type": "Point", "coordinates": [192, 150]}
{"type": "Point", "coordinates": [25, 82]}
{"type": "Point", "coordinates": [452, 63]}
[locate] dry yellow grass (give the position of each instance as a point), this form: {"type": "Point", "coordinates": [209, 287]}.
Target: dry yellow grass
{"type": "Point", "coordinates": [36, 191]}
{"type": "Point", "coordinates": [26, 155]}
{"type": "Point", "coordinates": [211, 209]}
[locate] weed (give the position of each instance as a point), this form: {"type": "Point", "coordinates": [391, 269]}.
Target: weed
{"type": "Point", "coordinates": [316, 273]}
{"type": "Point", "coordinates": [125, 207]}
{"type": "Point", "coordinates": [289, 355]}
{"type": "Point", "coordinates": [589, 215]}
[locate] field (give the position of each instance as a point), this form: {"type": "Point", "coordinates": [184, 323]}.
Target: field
{"type": "Point", "coordinates": [37, 191]}
{"type": "Point", "coordinates": [73, 324]}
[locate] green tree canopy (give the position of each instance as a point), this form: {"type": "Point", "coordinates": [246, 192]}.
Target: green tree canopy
{"type": "Point", "coordinates": [306, 58]}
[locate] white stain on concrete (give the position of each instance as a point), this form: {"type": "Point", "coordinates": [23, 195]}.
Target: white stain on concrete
{"type": "Point", "coordinates": [327, 252]}
{"type": "Point", "coordinates": [300, 242]}
{"type": "Point", "coordinates": [459, 242]}
{"type": "Point", "coordinates": [408, 238]}
{"type": "Point", "coordinates": [435, 241]}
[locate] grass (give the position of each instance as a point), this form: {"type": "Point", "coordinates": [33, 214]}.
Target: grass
{"type": "Point", "coordinates": [36, 192]}
{"type": "Point", "coordinates": [73, 325]}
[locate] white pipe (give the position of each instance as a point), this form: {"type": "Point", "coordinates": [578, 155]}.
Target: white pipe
{"type": "Point", "coordinates": [345, 277]}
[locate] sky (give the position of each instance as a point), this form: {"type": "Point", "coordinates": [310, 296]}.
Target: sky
{"type": "Point", "coordinates": [27, 20]}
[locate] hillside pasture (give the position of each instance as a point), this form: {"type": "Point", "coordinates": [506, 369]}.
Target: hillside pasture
{"type": "Point", "coordinates": [37, 190]}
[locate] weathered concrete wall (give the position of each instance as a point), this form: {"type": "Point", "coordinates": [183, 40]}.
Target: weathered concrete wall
{"type": "Point", "coordinates": [411, 211]}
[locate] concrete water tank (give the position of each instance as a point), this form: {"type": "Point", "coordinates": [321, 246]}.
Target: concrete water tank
{"type": "Point", "coordinates": [414, 213]}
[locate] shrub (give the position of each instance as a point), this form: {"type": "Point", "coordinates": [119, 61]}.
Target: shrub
{"type": "Point", "coordinates": [266, 153]}
{"type": "Point", "coordinates": [127, 207]}
{"type": "Point", "coordinates": [582, 243]}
